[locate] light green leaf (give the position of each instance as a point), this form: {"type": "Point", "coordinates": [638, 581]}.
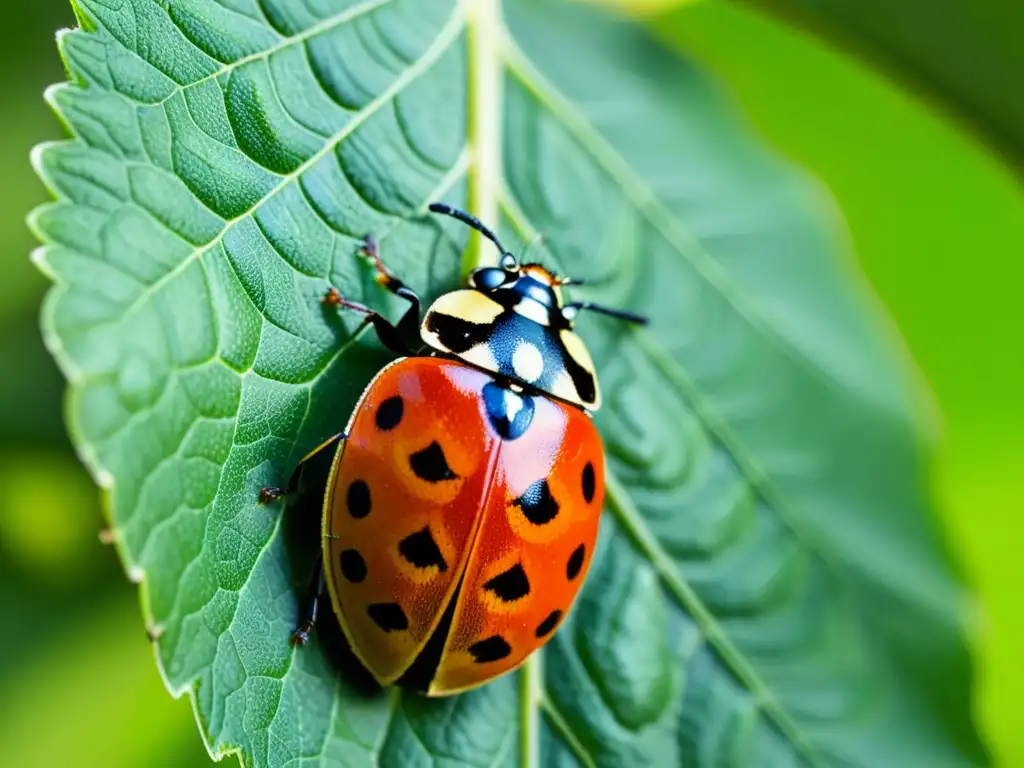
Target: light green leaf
{"type": "Point", "coordinates": [965, 55]}
{"type": "Point", "coordinates": [768, 589]}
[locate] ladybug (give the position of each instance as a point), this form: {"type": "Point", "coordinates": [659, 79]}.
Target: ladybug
{"type": "Point", "coordinates": [463, 501]}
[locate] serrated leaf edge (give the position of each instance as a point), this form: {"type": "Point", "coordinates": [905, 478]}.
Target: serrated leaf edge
{"type": "Point", "coordinates": [455, 25]}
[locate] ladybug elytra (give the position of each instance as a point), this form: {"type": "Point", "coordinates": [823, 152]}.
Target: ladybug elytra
{"type": "Point", "coordinates": [463, 502]}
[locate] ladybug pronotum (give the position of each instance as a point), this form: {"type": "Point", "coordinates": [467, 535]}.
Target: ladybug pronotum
{"type": "Point", "coordinates": [463, 502]}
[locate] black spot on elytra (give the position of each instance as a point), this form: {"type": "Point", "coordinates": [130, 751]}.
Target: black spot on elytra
{"type": "Point", "coordinates": [538, 504]}
{"type": "Point", "coordinates": [389, 413]}
{"type": "Point", "coordinates": [497, 401]}
{"type": "Point", "coordinates": [511, 585]}
{"type": "Point", "coordinates": [353, 566]}
{"type": "Point", "coordinates": [431, 465]}
{"type": "Point", "coordinates": [545, 627]}
{"type": "Point", "coordinates": [589, 482]}
{"type": "Point", "coordinates": [572, 568]}
{"type": "Point", "coordinates": [421, 550]}
{"type": "Point", "coordinates": [358, 499]}
{"type": "Point", "coordinates": [457, 334]}
{"type": "Point", "coordinates": [491, 649]}
{"type": "Point", "coordinates": [388, 616]}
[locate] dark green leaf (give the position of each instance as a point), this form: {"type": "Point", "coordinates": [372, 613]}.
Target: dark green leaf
{"type": "Point", "coordinates": [767, 590]}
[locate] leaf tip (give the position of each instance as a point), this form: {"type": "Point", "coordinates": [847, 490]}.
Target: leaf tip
{"type": "Point", "coordinates": [37, 159]}
{"type": "Point", "coordinates": [38, 254]}
{"type": "Point", "coordinates": [61, 38]}
{"type": "Point", "coordinates": [35, 156]}
{"type": "Point", "coordinates": [61, 33]}
{"type": "Point", "coordinates": [50, 95]}
{"type": "Point", "coordinates": [35, 226]}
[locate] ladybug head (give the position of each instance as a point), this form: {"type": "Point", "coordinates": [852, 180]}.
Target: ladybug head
{"type": "Point", "coordinates": [515, 323]}
{"type": "Point", "coordinates": [511, 282]}
{"type": "Point", "coordinates": [532, 289]}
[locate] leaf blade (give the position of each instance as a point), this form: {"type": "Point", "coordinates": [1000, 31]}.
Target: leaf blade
{"type": "Point", "coordinates": [201, 369]}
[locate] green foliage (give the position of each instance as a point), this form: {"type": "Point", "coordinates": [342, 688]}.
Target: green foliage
{"type": "Point", "coordinates": [768, 589]}
{"type": "Point", "coordinates": [967, 55]}
{"type": "Point", "coordinates": [918, 193]}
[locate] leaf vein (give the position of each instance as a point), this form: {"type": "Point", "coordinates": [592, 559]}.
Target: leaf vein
{"type": "Point", "coordinates": [343, 17]}
{"type": "Point", "coordinates": [431, 55]}
{"type": "Point", "coordinates": [562, 727]}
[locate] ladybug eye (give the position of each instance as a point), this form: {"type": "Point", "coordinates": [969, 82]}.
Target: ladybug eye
{"type": "Point", "coordinates": [489, 278]}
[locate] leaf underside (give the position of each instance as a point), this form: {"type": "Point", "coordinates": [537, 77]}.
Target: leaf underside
{"type": "Point", "coordinates": [767, 590]}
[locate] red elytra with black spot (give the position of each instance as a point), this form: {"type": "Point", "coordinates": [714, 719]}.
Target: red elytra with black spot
{"type": "Point", "coordinates": [464, 499]}
{"type": "Point", "coordinates": [430, 508]}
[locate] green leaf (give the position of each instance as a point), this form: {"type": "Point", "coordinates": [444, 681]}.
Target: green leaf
{"type": "Point", "coordinates": [768, 588]}
{"type": "Point", "coordinates": [967, 56]}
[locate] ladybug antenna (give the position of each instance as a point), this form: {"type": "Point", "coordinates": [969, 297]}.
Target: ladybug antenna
{"type": "Point", "coordinates": [508, 261]}
{"type": "Point", "coordinates": [569, 312]}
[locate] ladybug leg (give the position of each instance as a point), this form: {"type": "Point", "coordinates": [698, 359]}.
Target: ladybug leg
{"type": "Point", "coordinates": [389, 335]}
{"type": "Point", "coordinates": [272, 492]}
{"type": "Point", "coordinates": [409, 324]}
{"type": "Point", "coordinates": [402, 338]}
{"type": "Point", "coordinates": [311, 606]}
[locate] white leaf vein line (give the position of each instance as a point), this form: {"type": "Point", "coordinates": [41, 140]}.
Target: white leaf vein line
{"type": "Point", "coordinates": [342, 17]}
{"type": "Point", "coordinates": [437, 48]}
{"type": "Point", "coordinates": [457, 170]}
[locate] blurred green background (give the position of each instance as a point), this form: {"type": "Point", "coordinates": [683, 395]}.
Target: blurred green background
{"type": "Point", "coordinates": [937, 222]}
